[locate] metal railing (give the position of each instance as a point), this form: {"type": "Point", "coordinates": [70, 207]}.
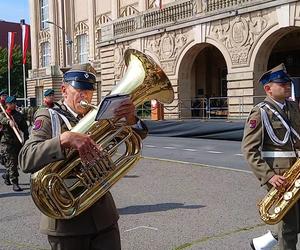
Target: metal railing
{"type": "Point", "coordinates": [208, 108]}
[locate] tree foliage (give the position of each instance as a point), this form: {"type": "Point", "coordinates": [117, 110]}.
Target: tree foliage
{"type": "Point", "coordinates": [16, 72]}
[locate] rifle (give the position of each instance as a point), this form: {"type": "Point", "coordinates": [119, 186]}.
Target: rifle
{"type": "Point", "coordinates": [15, 128]}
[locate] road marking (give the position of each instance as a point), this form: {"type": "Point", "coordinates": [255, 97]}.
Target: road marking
{"type": "Point", "coordinates": [214, 152]}
{"type": "Point", "coordinates": [169, 147]}
{"type": "Point", "coordinates": [239, 154]}
{"type": "Point", "coordinates": [151, 228]}
{"type": "Point", "coordinates": [149, 146]}
{"type": "Point", "coordinates": [190, 149]}
{"type": "Point", "coordinates": [198, 164]}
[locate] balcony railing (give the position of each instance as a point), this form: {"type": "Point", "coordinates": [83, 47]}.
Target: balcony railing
{"type": "Point", "coordinates": [175, 12]}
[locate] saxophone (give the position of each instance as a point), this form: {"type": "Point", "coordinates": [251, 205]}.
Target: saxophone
{"type": "Point", "coordinates": [277, 202]}
{"type": "Point", "coordinates": [64, 189]}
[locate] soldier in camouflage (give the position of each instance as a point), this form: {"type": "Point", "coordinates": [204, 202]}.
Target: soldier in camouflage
{"type": "Point", "coordinates": [9, 143]}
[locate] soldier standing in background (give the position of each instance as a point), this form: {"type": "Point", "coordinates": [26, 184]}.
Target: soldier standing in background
{"type": "Point", "coordinates": [271, 145]}
{"type": "Point", "coordinates": [9, 143]}
{"type": "Point", "coordinates": [49, 99]}
{"type": "Point", "coordinates": [3, 95]}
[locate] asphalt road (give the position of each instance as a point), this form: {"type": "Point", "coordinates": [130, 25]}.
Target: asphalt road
{"type": "Point", "coordinates": [218, 153]}
{"type": "Point", "coordinates": [163, 205]}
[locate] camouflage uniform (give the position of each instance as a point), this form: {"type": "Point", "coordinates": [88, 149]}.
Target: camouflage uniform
{"type": "Point", "coordinates": [10, 145]}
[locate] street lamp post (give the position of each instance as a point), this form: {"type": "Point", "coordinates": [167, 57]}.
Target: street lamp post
{"type": "Point", "coordinates": [69, 43]}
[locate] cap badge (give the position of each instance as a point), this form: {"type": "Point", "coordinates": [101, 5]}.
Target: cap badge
{"type": "Point", "coordinates": [86, 75]}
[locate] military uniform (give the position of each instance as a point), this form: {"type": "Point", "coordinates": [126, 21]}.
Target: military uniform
{"type": "Point", "coordinates": [271, 145]}
{"type": "Point", "coordinates": [99, 222]}
{"type": "Point", "coordinates": [10, 145]}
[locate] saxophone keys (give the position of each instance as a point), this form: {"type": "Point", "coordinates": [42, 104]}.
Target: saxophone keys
{"type": "Point", "coordinates": [297, 183]}
{"type": "Point", "coordinates": [287, 196]}
{"type": "Point", "coordinates": [277, 210]}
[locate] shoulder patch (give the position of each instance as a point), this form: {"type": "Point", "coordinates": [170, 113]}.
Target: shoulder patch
{"type": "Point", "coordinates": [252, 123]}
{"type": "Point", "coordinates": [38, 124]}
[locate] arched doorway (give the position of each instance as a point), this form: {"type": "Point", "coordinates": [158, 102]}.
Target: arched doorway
{"type": "Point", "coordinates": [281, 47]}
{"type": "Point", "coordinates": [202, 89]}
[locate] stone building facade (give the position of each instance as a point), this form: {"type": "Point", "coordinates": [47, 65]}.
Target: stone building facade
{"type": "Point", "coordinates": [209, 49]}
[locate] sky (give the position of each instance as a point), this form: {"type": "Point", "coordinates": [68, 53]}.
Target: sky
{"type": "Point", "coordinates": [14, 10]}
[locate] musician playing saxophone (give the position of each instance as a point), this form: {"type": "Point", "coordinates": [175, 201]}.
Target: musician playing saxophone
{"type": "Point", "coordinates": [271, 144]}
{"type": "Point", "coordinates": [97, 227]}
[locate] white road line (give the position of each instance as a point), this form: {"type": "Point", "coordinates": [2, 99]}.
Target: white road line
{"type": "Point", "coordinates": [169, 147]}
{"type": "Point", "coordinates": [214, 152]}
{"type": "Point", "coordinates": [190, 149]}
{"type": "Point", "coordinates": [131, 229]}
{"type": "Point", "coordinates": [198, 164]}
{"type": "Point", "coordinates": [239, 154]}
{"type": "Point", "coordinates": [149, 146]}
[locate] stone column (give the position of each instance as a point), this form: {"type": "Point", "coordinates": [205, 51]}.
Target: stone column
{"type": "Point", "coordinates": [142, 5]}
{"type": "Point", "coordinates": [53, 34]}
{"type": "Point", "coordinates": [240, 92]}
{"type": "Point", "coordinates": [91, 24]}
{"type": "Point", "coordinates": [34, 27]}
{"type": "Point", "coordinates": [114, 9]}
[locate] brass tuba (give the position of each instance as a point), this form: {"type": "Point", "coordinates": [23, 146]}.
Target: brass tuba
{"type": "Point", "coordinates": [278, 202]}
{"type": "Point", "coordinates": [66, 188]}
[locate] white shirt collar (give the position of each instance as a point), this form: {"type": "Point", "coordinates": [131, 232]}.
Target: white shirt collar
{"type": "Point", "coordinates": [71, 111]}
{"type": "Point", "coordinates": [281, 105]}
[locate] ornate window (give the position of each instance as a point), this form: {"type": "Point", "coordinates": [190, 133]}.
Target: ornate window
{"type": "Point", "coordinates": [128, 11]}
{"type": "Point", "coordinates": [83, 51]}
{"type": "Point", "coordinates": [151, 4]}
{"type": "Point", "coordinates": [44, 12]}
{"type": "Point", "coordinates": [45, 54]}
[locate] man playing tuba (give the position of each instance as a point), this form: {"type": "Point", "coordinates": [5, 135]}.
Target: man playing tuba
{"type": "Point", "coordinates": [271, 144]}
{"type": "Point", "coordinates": [97, 227]}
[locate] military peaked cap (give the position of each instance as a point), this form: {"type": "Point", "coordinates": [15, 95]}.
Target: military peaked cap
{"type": "Point", "coordinates": [277, 75]}
{"type": "Point", "coordinates": [81, 76]}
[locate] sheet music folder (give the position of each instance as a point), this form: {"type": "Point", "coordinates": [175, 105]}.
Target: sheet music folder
{"type": "Point", "coordinates": [108, 106]}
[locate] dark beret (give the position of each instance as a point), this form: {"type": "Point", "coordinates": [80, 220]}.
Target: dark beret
{"type": "Point", "coordinates": [10, 99]}
{"type": "Point", "coordinates": [49, 92]}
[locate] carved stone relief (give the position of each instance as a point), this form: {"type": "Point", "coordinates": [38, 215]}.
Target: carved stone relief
{"type": "Point", "coordinates": [118, 59]}
{"type": "Point", "coordinates": [167, 47]}
{"type": "Point", "coordinates": [240, 34]}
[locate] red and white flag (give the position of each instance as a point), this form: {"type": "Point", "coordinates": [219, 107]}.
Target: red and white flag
{"type": "Point", "coordinates": [158, 3]}
{"type": "Point", "coordinates": [25, 40]}
{"type": "Point", "coordinates": [10, 47]}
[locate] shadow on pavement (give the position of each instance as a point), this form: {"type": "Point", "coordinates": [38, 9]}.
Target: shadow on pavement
{"type": "Point", "coordinates": [14, 194]}
{"type": "Point", "coordinates": [131, 176]}
{"type": "Point", "coordinates": [140, 209]}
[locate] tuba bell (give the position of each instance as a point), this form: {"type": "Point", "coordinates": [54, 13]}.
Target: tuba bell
{"type": "Point", "coordinates": [277, 202]}
{"type": "Point", "coordinates": [64, 189]}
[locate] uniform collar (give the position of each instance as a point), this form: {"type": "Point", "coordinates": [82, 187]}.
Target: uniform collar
{"type": "Point", "coordinates": [280, 105]}
{"type": "Point", "coordinates": [70, 110]}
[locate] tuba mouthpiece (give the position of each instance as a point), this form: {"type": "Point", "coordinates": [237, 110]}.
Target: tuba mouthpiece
{"type": "Point", "coordinates": [85, 104]}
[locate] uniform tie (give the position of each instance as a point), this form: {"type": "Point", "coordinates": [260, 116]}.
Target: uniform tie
{"type": "Point", "coordinates": [285, 110]}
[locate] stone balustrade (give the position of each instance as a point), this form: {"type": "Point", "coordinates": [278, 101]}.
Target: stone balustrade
{"type": "Point", "coordinates": [52, 70]}
{"type": "Point", "coordinates": [172, 13]}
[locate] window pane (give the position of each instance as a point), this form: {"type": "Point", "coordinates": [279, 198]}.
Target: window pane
{"type": "Point", "coordinates": [44, 13]}
{"type": "Point", "coordinates": [45, 54]}
{"type": "Point", "coordinates": [82, 49]}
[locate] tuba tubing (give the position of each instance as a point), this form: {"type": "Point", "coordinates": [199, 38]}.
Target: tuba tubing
{"type": "Point", "coordinates": [64, 189]}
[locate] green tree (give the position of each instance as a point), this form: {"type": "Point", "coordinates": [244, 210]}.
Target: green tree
{"type": "Point", "coordinates": [16, 72]}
